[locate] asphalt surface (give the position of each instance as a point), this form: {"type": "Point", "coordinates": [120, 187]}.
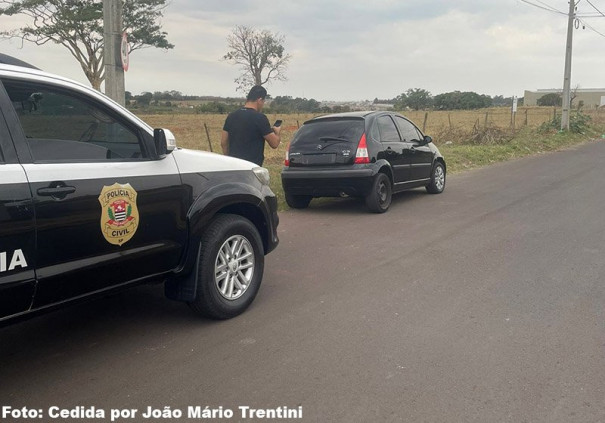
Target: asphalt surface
{"type": "Point", "coordinates": [484, 303]}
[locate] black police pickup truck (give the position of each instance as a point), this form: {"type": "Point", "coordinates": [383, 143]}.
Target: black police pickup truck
{"type": "Point", "coordinates": [92, 199]}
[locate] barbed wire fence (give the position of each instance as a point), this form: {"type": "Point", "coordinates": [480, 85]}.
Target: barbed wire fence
{"type": "Point", "coordinates": [487, 126]}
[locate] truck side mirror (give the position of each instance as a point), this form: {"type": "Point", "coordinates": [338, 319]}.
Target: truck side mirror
{"type": "Point", "coordinates": [159, 140]}
{"type": "Point", "coordinates": [164, 141]}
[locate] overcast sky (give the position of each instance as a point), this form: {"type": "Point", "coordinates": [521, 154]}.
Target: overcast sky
{"type": "Point", "coordinates": [360, 49]}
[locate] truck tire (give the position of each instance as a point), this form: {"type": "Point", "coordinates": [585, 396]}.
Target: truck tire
{"type": "Point", "coordinates": [230, 267]}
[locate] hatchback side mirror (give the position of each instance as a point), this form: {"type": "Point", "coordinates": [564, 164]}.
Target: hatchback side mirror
{"type": "Point", "coordinates": [427, 139]}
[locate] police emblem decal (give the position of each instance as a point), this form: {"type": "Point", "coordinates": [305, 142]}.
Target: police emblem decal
{"type": "Point", "coordinates": [119, 213]}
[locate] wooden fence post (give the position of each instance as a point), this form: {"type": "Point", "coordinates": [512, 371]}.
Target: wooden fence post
{"type": "Point", "coordinates": [526, 117]}
{"type": "Point", "coordinates": [426, 116]}
{"type": "Point", "coordinates": [449, 118]}
{"type": "Point", "coordinates": [208, 136]}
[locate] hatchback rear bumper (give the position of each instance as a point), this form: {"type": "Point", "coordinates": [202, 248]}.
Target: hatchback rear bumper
{"type": "Point", "coordinates": [356, 182]}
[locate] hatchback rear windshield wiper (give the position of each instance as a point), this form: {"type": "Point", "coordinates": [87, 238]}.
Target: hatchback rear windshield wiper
{"type": "Point", "coordinates": [333, 139]}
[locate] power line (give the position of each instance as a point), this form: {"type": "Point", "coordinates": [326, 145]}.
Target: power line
{"type": "Point", "coordinates": [595, 8]}
{"type": "Point", "coordinates": [548, 9]}
{"type": "Point", "coordinates": [600, 15]}
{"type": "Point", "coordinates": [591, 28]}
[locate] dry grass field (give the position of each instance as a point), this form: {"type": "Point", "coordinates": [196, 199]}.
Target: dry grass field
{"type": "Point", "coordinates": [443, 126]}
{"type": "Point", "coordinates": [467, 139]}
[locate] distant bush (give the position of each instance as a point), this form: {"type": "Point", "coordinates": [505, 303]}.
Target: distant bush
{"type": "Point", "coordinates": [579, 123]}
{"type": "Point", "coordinates": [457, 100]}
{"type": "Point", "coordinates": [552, 99]}
{"type": "Point", "coordinates": [287, 104]}
{"type": "Point", "coordinates": [216, 107]}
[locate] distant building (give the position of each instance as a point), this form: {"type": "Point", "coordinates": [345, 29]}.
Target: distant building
{"type": "Point", "coordinates": [591, 97]}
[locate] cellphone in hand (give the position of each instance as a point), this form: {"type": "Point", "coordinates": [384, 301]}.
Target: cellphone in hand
{"type": "Point", "coordinates": [277, 123]}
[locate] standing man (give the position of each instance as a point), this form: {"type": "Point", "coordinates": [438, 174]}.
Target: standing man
{"type": "Point", "coordinates": [246, 129]}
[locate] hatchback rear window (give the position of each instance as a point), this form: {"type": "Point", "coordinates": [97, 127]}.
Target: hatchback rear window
{"type": "Point", "coordinates": [327, 131]}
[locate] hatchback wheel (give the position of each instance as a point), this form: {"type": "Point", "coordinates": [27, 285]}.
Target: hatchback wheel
{"type": "Point", "coordinates": [379, 199]}
{"type": "Point", "coordinates": [437, 184]}
{"type": "Point", "coordinates": [298, 201]}
{"type": "Point", "coordinates": [230, 267]}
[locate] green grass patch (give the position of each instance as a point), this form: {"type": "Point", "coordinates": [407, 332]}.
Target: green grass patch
{"type": "Point", "coordinates": [527, 142]}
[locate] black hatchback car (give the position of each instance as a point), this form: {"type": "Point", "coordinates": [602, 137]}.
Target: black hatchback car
{"type": "Point", "coordinates": [361, 154]}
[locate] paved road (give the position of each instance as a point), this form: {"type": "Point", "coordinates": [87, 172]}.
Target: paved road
{"type": "Point", "coordinates": [485, 303]}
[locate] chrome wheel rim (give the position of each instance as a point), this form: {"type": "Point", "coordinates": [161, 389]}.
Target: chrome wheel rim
{"type": "Point", "coordinates": [234, 267]}
{"type": "Point", "coordinates": [439, 178]}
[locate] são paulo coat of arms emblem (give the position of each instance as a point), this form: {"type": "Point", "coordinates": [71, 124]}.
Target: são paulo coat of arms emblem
{"type": "Point", "coordinates": [119, 213]}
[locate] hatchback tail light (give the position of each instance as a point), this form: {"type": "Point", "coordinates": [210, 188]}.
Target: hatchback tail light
{"type": "Point", "coordinates": [362, 155]}
{"type": "Point", "coordinates": [287, 160]}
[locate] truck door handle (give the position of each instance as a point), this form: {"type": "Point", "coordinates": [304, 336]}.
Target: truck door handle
{"type": "Point", "coordinates": [56, 190]}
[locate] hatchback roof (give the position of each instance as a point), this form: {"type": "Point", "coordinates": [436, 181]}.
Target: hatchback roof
{"type": "Point", "coordinates": [10, 60]}
{"type": "Point", "coordinates": [361, 114]}
{"type": "Point", "coordinates": [345, 115]}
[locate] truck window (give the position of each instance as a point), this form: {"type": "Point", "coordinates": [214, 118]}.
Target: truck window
{"type": "Point", "coordinates": [63, 126]}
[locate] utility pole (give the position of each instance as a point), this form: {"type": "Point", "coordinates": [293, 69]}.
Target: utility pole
{"type": "Point", "coordinates": [567, 76]}
{"type": "Point", "coordinates": [112, 34]}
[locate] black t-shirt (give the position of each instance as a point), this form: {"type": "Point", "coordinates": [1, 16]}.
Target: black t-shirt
{"type": "Point", "coordinates": [247, 129]}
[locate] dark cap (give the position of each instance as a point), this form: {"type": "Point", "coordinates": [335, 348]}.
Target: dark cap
{"type": "Point", "coordinates": [256, 92]}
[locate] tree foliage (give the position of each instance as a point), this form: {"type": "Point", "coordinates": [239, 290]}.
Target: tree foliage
{"type": "Point", "coordinates": [144, 99]}
{"type": "Point", "coordinates": [457, 100]}
{"type": "Point", "coordinates": [552, 99]}
{"type": "Point", "coordinates": [260, 54]}
{"type": "Point", "coordinates": [501, 101]}
{"type": "Point", "coordinates": [77, 25]}
{"type": "Point", "coordinates": [287, 104]}
{"type": "Point", "coordinates": [414, 98]}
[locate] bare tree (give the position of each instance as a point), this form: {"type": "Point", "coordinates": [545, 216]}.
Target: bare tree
{"type": "Point", "coordinates": [260, 53]}
{"type": "Point", "coordinates": [573, 94]}
{"type": "Point", "coordinates": [77, 25]}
